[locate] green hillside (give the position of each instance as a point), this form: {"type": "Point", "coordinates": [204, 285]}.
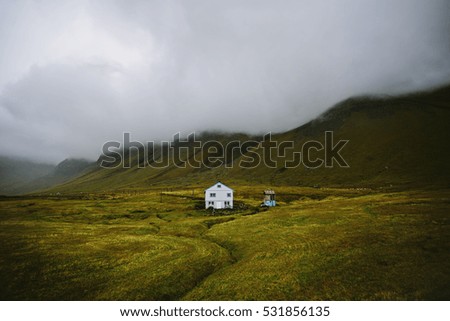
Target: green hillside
{"type": "Point", "coordinates": [392, 142]}
{"type": "Point", "coordinates": [16, 175]}
{"type": "Point", "coordinates": [19, 176]}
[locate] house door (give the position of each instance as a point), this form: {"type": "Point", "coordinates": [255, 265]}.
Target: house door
{"type": "Point", "coordinates": [219, 204]}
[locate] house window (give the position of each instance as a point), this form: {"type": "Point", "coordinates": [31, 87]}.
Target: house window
{"type": "Point", "coordinates": [227, 203]}
{"type": "Point", "coordinates": [219, 186]}
{"type": "Point", "coordinates": [210, 203]}
{"type": "Point", "coordinates": [228, 194]}
{"type": "Point", "coordinates": [212, 194]}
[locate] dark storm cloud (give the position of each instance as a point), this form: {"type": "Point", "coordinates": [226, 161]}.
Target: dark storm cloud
{"type": "Point", "coordinates": [78, 73]}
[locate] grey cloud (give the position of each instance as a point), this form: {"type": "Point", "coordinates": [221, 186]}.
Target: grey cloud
{"type": "Point", "coordinates": [158, 67]}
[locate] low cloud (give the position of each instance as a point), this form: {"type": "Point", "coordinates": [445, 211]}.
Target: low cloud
{"type": "Point", "coordinates": [81, 73]}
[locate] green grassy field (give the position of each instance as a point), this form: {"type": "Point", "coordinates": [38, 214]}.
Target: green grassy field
{"type": "Point", "coordinates": [318, 244]}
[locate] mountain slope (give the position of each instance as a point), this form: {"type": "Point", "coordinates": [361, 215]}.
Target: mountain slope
{"type": "Point", "coordinates": [23, 176]}
{"type": "Point", "coordinates": [392, 141]}
{"type": "Point", "coordinates": [17, 174]}
{"type": "Point", "coordinates": [65, 171]}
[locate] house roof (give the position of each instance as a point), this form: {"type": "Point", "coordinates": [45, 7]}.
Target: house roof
{"type": "Point", "coordinates": [221, 184]}
{"type": "Point", "coordinates": [269, 191]}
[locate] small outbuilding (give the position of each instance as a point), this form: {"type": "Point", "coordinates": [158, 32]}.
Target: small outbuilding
{"type": "Point", "coordinates": [269, 198]}
{"type": "Point", "coordinates": [219, 196]}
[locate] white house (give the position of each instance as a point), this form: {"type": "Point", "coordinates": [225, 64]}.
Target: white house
{"type": "Point", "coordinates": [219, 196]}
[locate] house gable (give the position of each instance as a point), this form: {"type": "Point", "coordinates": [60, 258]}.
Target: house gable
{"type": "Point", "coordinates": [218, 186]}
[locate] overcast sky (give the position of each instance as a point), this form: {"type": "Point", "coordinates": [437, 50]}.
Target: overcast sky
{"type": "Point", "coordinates": [74, 74]}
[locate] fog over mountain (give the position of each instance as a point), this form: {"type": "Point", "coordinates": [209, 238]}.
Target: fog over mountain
{"type": "Point", "coordinates": [75, 74]}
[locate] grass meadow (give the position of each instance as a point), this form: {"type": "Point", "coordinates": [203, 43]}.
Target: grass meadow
{"type": "Point", "coordinates": [318, 244]}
